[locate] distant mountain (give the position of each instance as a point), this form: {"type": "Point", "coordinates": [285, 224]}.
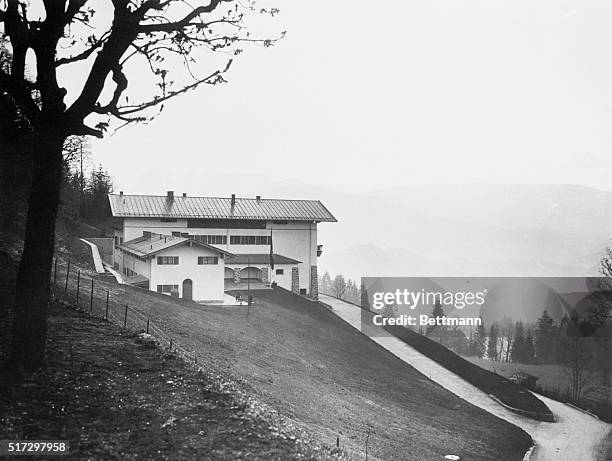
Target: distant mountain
{"type": "Point", "coordinates": [463, 230]}
{"type": "Point", "coordinates": [374, 261]}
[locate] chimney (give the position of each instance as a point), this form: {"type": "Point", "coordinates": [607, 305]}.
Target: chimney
{"type": "Point", "coordinates": [184, 194]}
{"type": "Point", "coordinates": [120, 192]}
{"type": "Point", "coordinates": [233, 199]}
{"type": "Point", "coordinates": [170, 195]}
{"type": "Point", "coordinates": [258, 198]}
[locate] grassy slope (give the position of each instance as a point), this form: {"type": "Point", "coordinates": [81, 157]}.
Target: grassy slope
{"type": "Point", "coordinates": [309, 365]}
{"type": "Point", "coordinates": [114, 399]}
{"type": "Point", "coordinates": [489, 382]}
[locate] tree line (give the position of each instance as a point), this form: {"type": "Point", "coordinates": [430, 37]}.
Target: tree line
{"type": "Point", "coordinates": [580, 341]}
{"type": "Point", "coordinates": [340, 287]}
{"type": "Point", "coordinates": [84, 189]}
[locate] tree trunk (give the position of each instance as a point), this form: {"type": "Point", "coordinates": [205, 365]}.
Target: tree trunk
{"type": "Point", "coordinates": [33, 276]}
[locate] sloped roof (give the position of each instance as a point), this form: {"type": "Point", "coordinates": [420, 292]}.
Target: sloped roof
{"type": "Point", "coordinates": [154, 206]}
{"type": "Point", "coordinates": [263, 258]}
{"type": "Point", "coordinates": [144, 246]}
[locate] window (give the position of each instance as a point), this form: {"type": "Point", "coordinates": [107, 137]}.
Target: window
{"type": "Point", "coordinates": [202, 260]}
{"type": "Point", "coordinates": [211, 239]}
{"type": "Point", "coordinates": [176, 234]}
{"type": "Point", "coordinates": [168, 219]}
{"type": "Point", "coordinates": [172, 290]}
{"type": "Point", "coordinates": [146, 234]}
{"type": "Point", "coordinates": [250, 239]}
{"type": "Point", "coordinates": [167, 260]}
{"type": "Point", "coordinates": [280, 271]}
{"type": "Point", "coordinates": [226, 223]}
{"type": "Point", "coordinates": [129, 272]}
{"type": "Point", "coordinates": [116, 240]}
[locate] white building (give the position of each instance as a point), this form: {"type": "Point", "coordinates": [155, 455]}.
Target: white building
{"type": "Point", "coordinates": [246, 231]}
{"type": "Point", "coordinates": [176, 266]}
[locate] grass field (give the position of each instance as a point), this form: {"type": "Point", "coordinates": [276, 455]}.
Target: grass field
{"type": "Point", "coordinates": [304, 362]}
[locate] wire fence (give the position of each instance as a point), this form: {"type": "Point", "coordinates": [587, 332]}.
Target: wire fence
{"type": "Point", "coordinates": [94, 295]}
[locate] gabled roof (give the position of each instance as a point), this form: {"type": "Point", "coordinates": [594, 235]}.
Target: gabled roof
{"type": "Point", "coordinates": [145, 246]}
{"type": "Point", "coordinates": [259, 259]}
{"type": "Point", "coordinates": [154, 206]}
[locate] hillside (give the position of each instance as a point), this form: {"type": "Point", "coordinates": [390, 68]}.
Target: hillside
{"type": "Point", "coordinates": [308, 365]}
{"type": "Point", "coordinates": [114, 397]}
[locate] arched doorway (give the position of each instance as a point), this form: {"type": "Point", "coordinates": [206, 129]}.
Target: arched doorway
{"type": "Point", "coordinates": [229, 273]}
{"type": "Point", "coordinates": [251, 273]}
{"type": "Point", "coordinates": [188, 289]}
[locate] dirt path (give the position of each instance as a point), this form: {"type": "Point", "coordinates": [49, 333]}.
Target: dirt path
{"type": "Point", "coordinates": [575, 436]}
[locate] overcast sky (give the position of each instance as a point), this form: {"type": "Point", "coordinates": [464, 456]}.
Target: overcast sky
{"type": "Point", "coordinates": [362, 96]}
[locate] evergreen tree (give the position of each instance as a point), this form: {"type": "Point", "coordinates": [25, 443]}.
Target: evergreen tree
{"type": "Point", "coordinates": [529, 349]}
{"type": "Point", "coordinates": [492, 343]}
{"type": "Point", "coordinates": [437, 312]}
{"type": "Point", "coordinates": [325, 283]}
{"type": "Point", "coordinates": [96, 202]}
{"type": "Point", "coordinates": [480, 339]}
{"type": "Point", "coordinates": [545, 338]}
{"type": "Point", "coordinates": [365, 301]}
{"type": "Point", "coordinates": [518, 345]}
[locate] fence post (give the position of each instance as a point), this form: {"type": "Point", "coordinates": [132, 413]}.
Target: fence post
{"type": "Point", "coordinates": [147, 326]}
{"type": "Point", "coordinates": [67, 277]}
{"type": "Point", "coordinates": [78, 286]}
{"type": "Point", "coordinates": [125, 317]}
{"type": "Point", "coordinates": [170, 343]}
{"type": "Point", "coordinates": [106, 312]}
{"type": "Point", "coordinates": [55, 272]}
{"type": "Point", "coordinates": [91, 297]}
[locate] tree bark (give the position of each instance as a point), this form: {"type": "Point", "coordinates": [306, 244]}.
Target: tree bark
{"type": "Point", "coordinates": [33, 277]}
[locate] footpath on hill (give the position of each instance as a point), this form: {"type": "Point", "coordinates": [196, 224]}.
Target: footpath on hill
{"type": "Point", "coordinates": [113, 398]}
{"type": "Point", "coordinates": [575, 436]}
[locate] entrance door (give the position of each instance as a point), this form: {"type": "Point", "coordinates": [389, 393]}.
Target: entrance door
{"type": "Point", "coordinates": [188, 289]}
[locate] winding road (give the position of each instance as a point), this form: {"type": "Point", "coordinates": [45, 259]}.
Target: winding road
{"type": "Point", "coordinates": [575, 436]}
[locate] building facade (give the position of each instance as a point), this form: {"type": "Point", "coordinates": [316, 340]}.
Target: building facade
{"type": "Point", "coordinates": [255, 233]}
{"type": "Point", "coordinates": [175, 266]}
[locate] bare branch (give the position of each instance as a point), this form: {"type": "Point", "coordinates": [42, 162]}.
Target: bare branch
{"type": "Point", "coordinates": [182, 23]}
{"type": "Point", "coordinates": [214, 78]}
{"type": "Point", "coordinates": [85, 54]}
{"type": "Point", "coordinates": [84, 130]}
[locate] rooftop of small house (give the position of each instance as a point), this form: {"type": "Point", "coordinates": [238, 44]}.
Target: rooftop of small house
{"type": "Point", "coordinates": [153, 243]}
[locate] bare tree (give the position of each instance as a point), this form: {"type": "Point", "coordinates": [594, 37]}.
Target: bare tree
{"type": "Point", "coordinates": [172, 39]}
{"type": "Point", "coordinates": [339, 286]}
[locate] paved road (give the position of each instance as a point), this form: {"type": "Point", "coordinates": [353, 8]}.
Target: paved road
{"type": "Point", "coordinates": [575, 436]}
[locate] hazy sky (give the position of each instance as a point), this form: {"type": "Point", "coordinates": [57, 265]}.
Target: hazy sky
{"type": "Point", "coordinates": [362, 97]}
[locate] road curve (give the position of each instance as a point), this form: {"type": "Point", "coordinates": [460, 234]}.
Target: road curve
{"type": "Point", "coordinates": [575, 436]}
